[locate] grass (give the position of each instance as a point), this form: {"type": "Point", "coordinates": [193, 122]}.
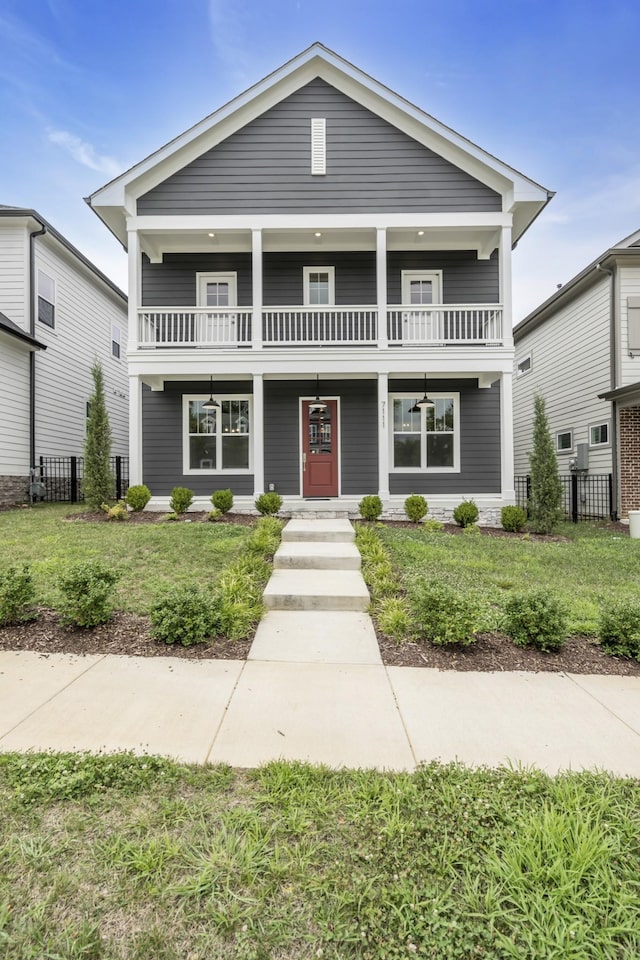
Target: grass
{"type": "Point", "coordinates": [123, 858]}
{"type": "Point", "coordinates": [596, 566]}
{"type": "Point", "coordinates": [150, 556]}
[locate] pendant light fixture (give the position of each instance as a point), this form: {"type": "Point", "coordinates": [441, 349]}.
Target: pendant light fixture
{"type": "Point", "coordinates": [425, 402]}
{"type": "Point", "coordinates": [318, 406]}
{"type": "Point", "coordinates": [211, 404]}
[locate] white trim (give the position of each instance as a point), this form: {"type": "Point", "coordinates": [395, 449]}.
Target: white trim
{"type": "Point", "coordinates": [134, 264]}
{"type": "Point", "coordinates": [383, 444]}
{"type": "Point", "coordinates": [256, 428]}
{"type": "Point", "coordinates": [202, 223]}
{"type": "Point", "coordinates": [202, 279]}
{"type": "Point", "coordinates": [505, 278]}
{"type": "Point", "coordinates": [256, 289]}
{"type": "Point", "coordinates": [381, 287]}
{"type": "Point", "coordinates": [301, 442]}
{"type": "Point", "coordinates": [563, 433]}
{"type": "Point", "coordinates": [507, 478]}
{"type": "Point", "coordinates": [135, 431]}
{"type": "Point", "coordinates": [607, 442]}
{"type": "Point", "coordinates": [429, 276]}
{"type": "Point", "coordinates": [423, 468]}
{"type": "Point", "coordinates": [192, 471]}
{"type": "Point", "coordinates": [318, 146]}
{"type": "Point", "coordinates": [331, 274]}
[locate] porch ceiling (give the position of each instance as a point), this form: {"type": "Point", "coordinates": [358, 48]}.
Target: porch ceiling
{"type": "Point", "coordinates": [483, 239]}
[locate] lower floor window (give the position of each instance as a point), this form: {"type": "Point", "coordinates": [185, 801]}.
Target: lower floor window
{"type": "Point", "coordinates": [425, 438]}
{"type": "Point", "coordinates": [217, 439]}
{"type": "Point", "coordinates": [599, 435]}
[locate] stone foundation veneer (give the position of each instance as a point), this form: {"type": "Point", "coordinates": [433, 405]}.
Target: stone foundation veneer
{"type": "Point", "coordinates": [629, 443]}
{"type": "Point", "coordinates": [13, 490]}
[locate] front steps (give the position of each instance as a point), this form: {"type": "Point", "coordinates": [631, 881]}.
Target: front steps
{"type": "Point", "coordinates": [317, 567]}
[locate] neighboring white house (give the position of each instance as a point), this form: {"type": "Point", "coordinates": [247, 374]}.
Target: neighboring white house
{"type": "Point", "coordinates": [58, 313]}
{"type": "Point", "coordinates": [581, 351]}
{"type": "Point", "coordinates": [305, 265]}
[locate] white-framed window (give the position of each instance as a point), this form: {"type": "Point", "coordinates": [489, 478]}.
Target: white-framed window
{"type": "Point", "coordinates": [116, 335]}
{"type": "Point", "coordinates": [216, 441]}
{"type": "Point", "coordinates": [599, 434]}
{"type": "Point", "coordinates": [524, 365]}
{"type": "Point", "coordinates": [421, 288]}
{"type": "Point", "coordinates": [427, 439]}
{"type": "Point", "coordinates": [564, 441]}
{"type": "Point", "coordinates": [46, 299]}
{"type": "Point", "coordinates": [217, 289]}
{"type": "Point", "coordinates": [319, 286]}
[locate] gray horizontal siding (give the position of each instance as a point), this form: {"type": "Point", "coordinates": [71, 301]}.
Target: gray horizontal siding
{"type": "Point", "coordinates": [466, 279]}
{"type": "Point", "coordinates": [371, 166]}
{"type": "Point", "coordinates": [172, 283]}
{"type": "Point", "coordinates": [358, 433]}
{"type": "Point", "coordinates": [480, 464]}
{"type": "Point", "coordinates": [162, 442]}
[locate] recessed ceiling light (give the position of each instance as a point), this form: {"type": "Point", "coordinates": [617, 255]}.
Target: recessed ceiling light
{"type": "Point", "coordinates": [212, 234]}
{"type": "Point", "coordinates": [421, 233]}
{"type": "Point", "coordinates": [317, 234]}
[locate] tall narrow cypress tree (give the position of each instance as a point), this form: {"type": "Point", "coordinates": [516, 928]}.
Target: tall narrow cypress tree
{"type": "Point", "coordinates": [98, 478]}
{"type": "Point", "coordinates": [546, 498]}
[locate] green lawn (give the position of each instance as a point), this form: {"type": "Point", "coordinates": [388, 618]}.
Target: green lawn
{"type": "Point", "coordinates": [138, 859]}
{"type": "Point", "coordinates": [595, 566]}
{"type": "Point", "coordinates": [150, 556]}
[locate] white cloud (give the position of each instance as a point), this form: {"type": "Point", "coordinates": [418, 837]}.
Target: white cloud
{"type": "Point", "coordinates": [84, 153]}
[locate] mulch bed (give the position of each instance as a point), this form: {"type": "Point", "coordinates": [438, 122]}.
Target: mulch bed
{"type": "Point", "coordinates": [127, 634]}
{"type": "Point", "coordinates": [149, 516]}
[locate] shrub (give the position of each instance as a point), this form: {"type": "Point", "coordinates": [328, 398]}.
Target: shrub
{"type": "Point", "coordinates": [181, 500]}
{"type": "Point", "coordinates": [117, 512]}
{"type": "Point", "coordinates": [269, 503]}
{"type": "Point", "coordinates": [442, 615]}
{"type": "Point", "coordinates": [619, 629]}
{"type": "Point", "coordinates": [266, 536]}
{"type": "Point", "coordinates": [465, 513]}
{"type": "Point", "coordinates": [185, 614]}
{"type": "Point", "coordinates": [214, 516]}
{"type": "Point", "coordinates": [86, 589]}
{"type": "Point", "coordinates": [138, 496]}
{"type": "Point", "coordinates": [222, 500]}
{"type": "Point", "coordinates": [415, 507]}
{"type": "Point", "coordinates": [16, 596]}
{"type": "Point", "coordinates": [370, 507]}
{"type": "Point", "coordinates": [513, 519]}
{"type": "Point", "coordinates": [433, 526]}
{"type": "Point", "coordinates": [546, 499]}
{"type": "Point", "coordinates": [535, 619]}
{"type": "Point", "coordinates": [394, 617]}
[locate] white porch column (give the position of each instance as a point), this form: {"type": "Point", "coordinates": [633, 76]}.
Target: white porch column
{"type": "Point", "coordinates": [134, 292]}
{"type": "Point", "coordinates": [256, 284]}
{"type": "Point", "coordinates": [506, 296]}
{"type": "Point", "coordinates": [135, 431]}
{"type": "Point", "coordinates": [506, 437]}
{"type": "Point", "coordinates": [381, 286]}
{"type": "Point", "coordinates": [258, 434]}
{"type": "Point", "coordinates": [383, 435]}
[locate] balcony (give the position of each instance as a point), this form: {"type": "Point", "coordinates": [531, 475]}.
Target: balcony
{"type": "Point", "coordinates": [296, 326]}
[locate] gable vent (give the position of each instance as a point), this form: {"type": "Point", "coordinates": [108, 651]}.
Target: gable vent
{"type": "Point", "coordinates": [318, 145]}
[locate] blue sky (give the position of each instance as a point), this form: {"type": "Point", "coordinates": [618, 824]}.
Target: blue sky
{"type": "Point", "coordinates": [90, 87]}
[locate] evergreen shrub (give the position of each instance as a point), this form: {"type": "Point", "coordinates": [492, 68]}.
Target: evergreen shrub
{"type": "Point", "coordinates": [222, 500]}
{"type": "Point", "coordinates": [370, 507]}
{"type": "Point", "coordinates": [443, 615]}
{"type": "Point", "coordinates": [415, 507]}
{"type": "Point", "coordinates": [86, 589]}
{"type": "Point", "coordinates": [466, 513]}
{"type": "Point", "coordinates": [269, 503]}
{"type": "Point", "coordinates": [138, 496]}
{"type": "Point", "coordinates": [186, 614]}
{"type": "Point", "coordinates": [619, 629]}
{"type": "Point", "coordinates": [513, 519]}
{"type": "Point", "coordinates": [536, 619]}
{"type": "Point", "coordinates": [181, 500]}
{"type": "Point", "coordinates": [16, 596]}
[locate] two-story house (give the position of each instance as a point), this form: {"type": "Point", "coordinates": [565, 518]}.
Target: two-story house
{"type": "Point", "coordinates": [320, 300]}
{"type": "Point", "coordinates": [580, 350]}
{"type": "Point", "coordinates": [58, 313]}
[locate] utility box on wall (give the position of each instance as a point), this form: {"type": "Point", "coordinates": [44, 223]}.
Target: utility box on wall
{"type": "Point", "coordinates": [582, 456]}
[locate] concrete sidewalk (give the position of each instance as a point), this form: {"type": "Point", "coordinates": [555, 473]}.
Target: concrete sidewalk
{"type": "Point", "coordinates": [317, 708]}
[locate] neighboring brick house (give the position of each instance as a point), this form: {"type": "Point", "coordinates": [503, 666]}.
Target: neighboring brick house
{"type": "Point", "coordinates": [58, 313]}
{"type": "Point", "coordinates": [581, 351]}
{"type": "Point", "coordinates": [305, 265]}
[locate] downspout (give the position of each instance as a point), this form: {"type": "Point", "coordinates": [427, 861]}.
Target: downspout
{"type": "Point", "coordinates": [32, 331]}
{"type": "Point", "coordinates": [613, 381]}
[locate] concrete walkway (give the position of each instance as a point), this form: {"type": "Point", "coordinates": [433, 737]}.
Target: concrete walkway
{"type": "Point", "coordinates": [314, 689]}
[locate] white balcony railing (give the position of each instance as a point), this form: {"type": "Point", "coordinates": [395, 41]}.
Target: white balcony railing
{"type": "Point", "coordinates": [461, 324]}
{"type": "Point", "coordinates": [194, 327]}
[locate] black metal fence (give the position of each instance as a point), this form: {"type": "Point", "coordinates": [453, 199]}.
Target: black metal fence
{"type": "Point", "coordinates": [586, 496]}
{"type": "Point", "coordinates": [61, 478]}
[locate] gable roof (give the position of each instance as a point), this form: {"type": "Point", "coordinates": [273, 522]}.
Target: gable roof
{"type": "Point", "coordinates": [8, 326]}
{"type": "Point", "coordinates": [628, 247]}
{"type": "Point", "coordinates": [114, 201]}
{"type": "Point", "coordinates": [8, 211]}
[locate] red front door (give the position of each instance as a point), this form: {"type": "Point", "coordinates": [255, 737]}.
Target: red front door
{"type": "Point", "coordinates": [320, 450]}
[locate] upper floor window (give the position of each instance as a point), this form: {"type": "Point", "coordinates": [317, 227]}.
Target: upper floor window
{"type": "Point", "coordinates": [427, 438]}
{"type": "Point", "coordinates": [524, 365]}
{"type": "Point", "coordinates": [599, 435]}
{"type": "Point", "coordinates": [115, 341]}
{"type": "Point", "coordinates": [46, 299]}
{"type": "Point", "coordinates": [217, 290]}
{"type": "Point", "coordinates": [319, 286]}
{"type": "Point", "coordinates": [217, 440]}
{"type": "Point", "coordinates": [420, 288]}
